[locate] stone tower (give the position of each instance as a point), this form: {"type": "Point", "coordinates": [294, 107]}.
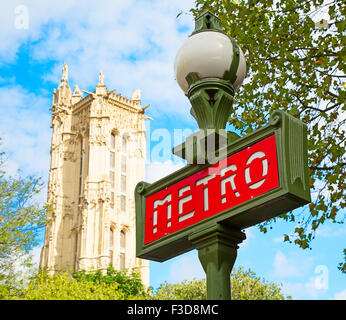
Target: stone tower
{"type": "Point", "coordinates": [97, 157]}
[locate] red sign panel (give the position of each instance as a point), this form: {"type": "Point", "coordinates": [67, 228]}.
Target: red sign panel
{"type": "Point", "coordinates": [239, 178]}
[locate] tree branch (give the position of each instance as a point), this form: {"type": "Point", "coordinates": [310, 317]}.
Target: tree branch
{"type": "Point", "coordinates": [326, 168]}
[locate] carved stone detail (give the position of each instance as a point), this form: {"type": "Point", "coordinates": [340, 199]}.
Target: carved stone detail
{"type": "Point", "coordinates": [82, 211]}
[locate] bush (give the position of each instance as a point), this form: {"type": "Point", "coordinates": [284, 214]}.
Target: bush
{"type": "Point", "coordinates": [129, 282]}
{"type": "Point", "coordinates": [186, 290]}
{"type": "Point", "coordinates": [62, 286]}
{"type": "Point", "coordinates": [245, 286]}
{"type": "Point", "coordinates": [4, 293]}
{"type": "Point", "coordinates": [126, 285]}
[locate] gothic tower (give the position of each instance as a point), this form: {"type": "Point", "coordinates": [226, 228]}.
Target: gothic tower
{"type": "Point", "coordinates": [97, 157]}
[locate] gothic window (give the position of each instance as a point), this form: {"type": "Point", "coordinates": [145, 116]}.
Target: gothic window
{"type": "Point", "coordinates": [124, 144]}
{"type": "Point", "coordinates": [76, 249]}
{"type": "Point", "coordinates": [123, 203]}
{"type": "Point", "coordinates": [112, 160]}
{"type": "Point", "coordinates": [113, 141]}
{"type": "Point", "coordinates": [123, 183]}
{"type": "Point", "coordinates": [112, 165]}
{"type": "Point", "coordinates": [80, 172]}
{"type": "Point", "coordinates": [123, 158]}
{"type": "Point", "coordinates": [111, 177]}
{"type": "Point", "coordinates": [122, 249]}
{"type": "Point", "coordinates": [111, 239]}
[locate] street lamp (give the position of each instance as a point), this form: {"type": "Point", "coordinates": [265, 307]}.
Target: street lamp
{"type": "Point", "coordinates": [209, 68]}
{"type": "Point", "coordinates": [248, 180]}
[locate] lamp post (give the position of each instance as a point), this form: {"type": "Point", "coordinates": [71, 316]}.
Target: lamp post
{"type": "Point", "coordinates": [209, 68]}
{"type": "Point", "coordinates": [207, 204]}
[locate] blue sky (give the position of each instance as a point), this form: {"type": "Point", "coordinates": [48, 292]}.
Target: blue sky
{"type": "Point", "coordinates": [134, 44]}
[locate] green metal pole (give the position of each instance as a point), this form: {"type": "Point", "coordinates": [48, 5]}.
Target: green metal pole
{"type": "Point", "coordinates": [217, 250]}
{"type": "Point", "coordinates": [211, 101]}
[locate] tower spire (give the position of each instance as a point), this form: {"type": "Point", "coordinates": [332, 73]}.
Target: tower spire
{"type": "Point", "coordinates": [101, 79]}
{"type": "Point", "coordinates": [64, 77]}
{"type": "Point", "coordinates": [62, 96]}
{"type": "Point", "coordinates": [101, 89]}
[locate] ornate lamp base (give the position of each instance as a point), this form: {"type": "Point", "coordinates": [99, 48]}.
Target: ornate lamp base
{"type": "Point", "coordinates": [211, 100]}
{"type": "Point", "coordinates": [204, 146]}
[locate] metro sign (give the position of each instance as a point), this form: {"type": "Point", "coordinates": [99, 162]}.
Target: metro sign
{"type": "Point", "coordinates": [234, 180]}
{"type": "Point", "coordinates": [263, 175]}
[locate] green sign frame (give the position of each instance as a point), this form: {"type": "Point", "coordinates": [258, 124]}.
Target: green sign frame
{"type": "Point", "coordinates": [293, 191]}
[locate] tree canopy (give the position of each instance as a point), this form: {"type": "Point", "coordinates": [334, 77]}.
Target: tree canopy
{"type": "Point", "coordinates": [246, 285]}
{"type": "Point", "coordinates": [62, 286]}
{"type": "Point", "coordinates": [295, 56]}
{"type": "Point", "coordinates": [128, 282]}
{"type": "Point", "coordinates": [21, 220]}
{"type": "Point", "coordinates": [126, 285]}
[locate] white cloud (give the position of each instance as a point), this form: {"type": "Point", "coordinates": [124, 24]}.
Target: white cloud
{"type": "Point", "coordinates": [307, 280]}
{"type": "Point", "coordinates": [158, 170]}
{"type": "Point", "coordinates": [36, 254]}
{"type": "Point", "coordinates": [326, 231]}
{"type": "Point", "coordinates": [20, 268]}
{"type": "Point", "coordinates": [293, 265]}
{"type": "Point", "coordinates": [133, 42]}
{"type": "Point", "coordinates": [278, 239]}
{"type": "Point", "coordinates": [250, 235]}
{"type": "Point", "coordinates": [186, 267]}
{"type": "Point", "coordinates": [340, 295]}
{"type": "Point", "coordinates": [283, 267]}
{"type": "Point", "coordinates": [302, 290]}
{"type": "Point", "coordinates": [25, 130]}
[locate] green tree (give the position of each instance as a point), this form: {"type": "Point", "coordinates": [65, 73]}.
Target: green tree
{"type": "Point", "coordinates": [122, 285]}
{"type": "Point", "coordinates": [85, 285]}
{"type": "Point", "coordinates": [62, 286]}
{"type": "Point", "coordinates": [296, 63]}
{"type": "Point", "coordinates": [21, 219]}
{"type": "Point", "coordinates": [245, 286]}
{"type": "Point", "coordinates": [129, 282]}
{"type": "Point", "coordinates": [14, 282]}
{"type": "Point", "coordinates": [185, 290]}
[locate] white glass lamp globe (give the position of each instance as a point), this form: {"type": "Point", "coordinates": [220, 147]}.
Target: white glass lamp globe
{"type": "Point", "coordinates": [210, 55]}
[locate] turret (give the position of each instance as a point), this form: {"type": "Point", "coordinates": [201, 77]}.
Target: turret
{"type": "Point", "coordinates": [63, 95]}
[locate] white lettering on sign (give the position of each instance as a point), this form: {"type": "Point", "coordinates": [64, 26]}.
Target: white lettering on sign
{"type": "Point", "coordinates": [204, 181]}
{"type": "Point", "coordinates": [157, 203]}
{"type": "Point", "coordinates": [256, 155]}
{"type": "Point", "coordinates": [233, 181]}
{"type": "Point", "coordinates": [183, 200]}
{"type": "Point", "coordinates": [229, 179]}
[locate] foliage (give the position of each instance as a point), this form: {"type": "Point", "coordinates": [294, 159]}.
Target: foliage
{"type": "Point", "coordinates": [128, 282]}
{"type": "Point", "coordinates": [245, 286]}
{"type": "Point", "coordinates": [4, 292]}
{"type": "Point", "coordinates": [186, 290]}
{"type": "Point", "coordinates": [342, 265]}
{"type": "Point", "coordinates": [20, 221]}
{"type": "Point", "coordinates": [62, 286]}
{"type": "Point", "coordinates": [122, 285]}
{"type": "Point", "coordinates": [14, 282]}
{"type": "Point", "coordinates": [296, 63]}
{"type": "Point", "coordinates": [80, 285]}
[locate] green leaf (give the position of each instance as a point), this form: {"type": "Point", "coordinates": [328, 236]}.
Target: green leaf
{"type": "Point", "coordinates": [295, 67]}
